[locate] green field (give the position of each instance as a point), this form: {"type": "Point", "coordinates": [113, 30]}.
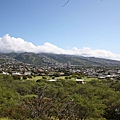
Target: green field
{"type": "Point", "coordinates": [86, 79]}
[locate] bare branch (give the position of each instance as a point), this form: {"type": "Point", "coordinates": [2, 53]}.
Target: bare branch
{"type": "Point", "coordinates": [66, 3]}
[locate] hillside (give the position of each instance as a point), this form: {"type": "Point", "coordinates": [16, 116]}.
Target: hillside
{"type": "Point", "coordinates": [58, 59]}
{"type": "Point", "coordinates": [6, 59]}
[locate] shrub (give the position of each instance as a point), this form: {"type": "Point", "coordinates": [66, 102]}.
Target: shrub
{"type": "Point", "coordinates": [53, 77]}
{"type": "Point", "coordinates": [44, 77]}
{"type": "Point", "coordinates": [66, 77]}
{"type": "Point", "coordinates": [29, 76]}
{"type": "Point", "coordinates": [24, 77]}
{"type": "Point", "coordinates": [39, 80]}
{"type": "Point", "coordinates": [16, 77]}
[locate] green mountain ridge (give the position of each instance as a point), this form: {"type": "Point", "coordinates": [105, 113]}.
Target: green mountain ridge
{"type": "Point", "coordinates": [49, 58]}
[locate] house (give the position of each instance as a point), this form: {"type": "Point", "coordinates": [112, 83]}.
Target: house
{"type": "Point", "coordinates": [27, 73]}
{"type": "Point", "coordinates": [5, 73]}
{"type": "Point", "coordinates": [81, 81]}
{"type": "Point", "coordinates": [17, 74]}
{"type": "Point", "coordinates": [52, 80]}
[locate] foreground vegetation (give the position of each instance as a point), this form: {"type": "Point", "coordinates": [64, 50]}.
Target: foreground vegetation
{"type": "Point", "coordinates": [59, 100]}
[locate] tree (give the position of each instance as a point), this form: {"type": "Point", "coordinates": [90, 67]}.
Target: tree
{"type": "Point", "coordinates": [87, 103]}
{"type": "Point", "coordinates": [57, 74]}
{"type": "Point", "coordinates": [24, 77]}
{"type": "Point", "coordinates": [8, 101]}
{"type": "Point", "coordinates": [16, 77]}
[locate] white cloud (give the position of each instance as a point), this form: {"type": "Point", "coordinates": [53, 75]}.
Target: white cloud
{"type": "Point", "coordinates": [10, 44]}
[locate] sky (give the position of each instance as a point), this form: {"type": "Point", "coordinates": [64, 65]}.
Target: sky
{"type": "Point", "coordinates": [81, 27]}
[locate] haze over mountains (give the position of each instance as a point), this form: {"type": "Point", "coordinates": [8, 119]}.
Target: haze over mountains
{"type": "Point", "coordinates": [10, 44]}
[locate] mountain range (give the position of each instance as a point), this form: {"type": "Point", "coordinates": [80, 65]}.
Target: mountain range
{"type": "Point", "coordinates": [57, 59]}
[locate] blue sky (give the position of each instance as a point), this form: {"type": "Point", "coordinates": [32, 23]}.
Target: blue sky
{"type": "Point", "coordinates": [81, 23]}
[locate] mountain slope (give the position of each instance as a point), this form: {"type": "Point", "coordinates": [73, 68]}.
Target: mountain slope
{"type": "Point", "coordinates": [47, 59]}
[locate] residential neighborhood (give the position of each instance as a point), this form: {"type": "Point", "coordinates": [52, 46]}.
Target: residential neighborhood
{"type": "Point", "coordinates": [17, 68]}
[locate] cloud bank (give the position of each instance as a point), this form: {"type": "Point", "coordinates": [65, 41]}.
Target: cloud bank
{"type": "Point", "coordinates": [10, 44]}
